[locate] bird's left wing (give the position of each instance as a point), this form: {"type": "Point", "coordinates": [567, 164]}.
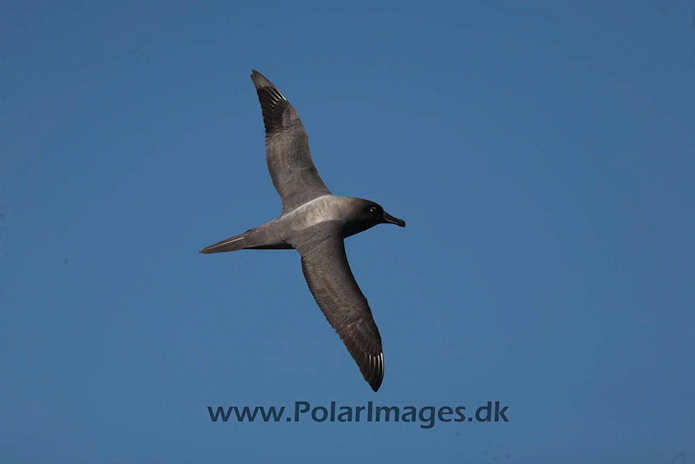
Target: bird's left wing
{"type": "Point", "coordinates": [330, 280]}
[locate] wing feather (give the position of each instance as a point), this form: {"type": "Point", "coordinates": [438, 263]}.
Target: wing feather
{"type": "Point", "coordinates": [287, 148]}
{"type": "Point", "coordinates": [333, 285]}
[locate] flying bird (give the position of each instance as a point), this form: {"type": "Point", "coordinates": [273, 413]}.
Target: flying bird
{"type": "Point", "coordinates": [314, 222]}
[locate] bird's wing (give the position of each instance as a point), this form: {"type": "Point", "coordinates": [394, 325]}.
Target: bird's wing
{"type": "Point", "coordinates": [330, 280]}
{"type": "Point", "coordinates": [287, 148]}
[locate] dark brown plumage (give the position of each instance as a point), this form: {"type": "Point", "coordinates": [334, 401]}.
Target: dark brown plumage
{"type": "Point", "coordinates": [315, 222]}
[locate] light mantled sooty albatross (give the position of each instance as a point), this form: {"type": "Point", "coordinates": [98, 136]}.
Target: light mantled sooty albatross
{"type": "Point", "coordinates": [314, 222]}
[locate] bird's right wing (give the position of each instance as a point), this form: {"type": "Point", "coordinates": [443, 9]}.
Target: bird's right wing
{"type": "Point", "coordinates": [330, 280]}
{"type": "Point", "coordinates": [287, 148]}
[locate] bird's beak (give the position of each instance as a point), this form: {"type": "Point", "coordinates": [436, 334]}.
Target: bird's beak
{"type": "Point", "coordinates": [393, 220]}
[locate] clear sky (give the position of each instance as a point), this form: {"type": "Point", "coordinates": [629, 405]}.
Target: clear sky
{"type": "Point", "coordinates": [542, 154]}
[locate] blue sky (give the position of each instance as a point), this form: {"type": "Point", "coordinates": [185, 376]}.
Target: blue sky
{"type": "Point", "coordinates": [540, 152]}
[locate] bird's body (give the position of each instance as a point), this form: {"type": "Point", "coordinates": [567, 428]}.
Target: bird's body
{"type": "Point", "coordinates": [315, 222]}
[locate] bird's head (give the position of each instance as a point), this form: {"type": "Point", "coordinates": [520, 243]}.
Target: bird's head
{"type": "Point", "coordinates": [365, 214]}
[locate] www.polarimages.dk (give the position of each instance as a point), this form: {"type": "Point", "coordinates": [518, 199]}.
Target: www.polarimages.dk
{"type": "Point", "coordinates": [303, 411]}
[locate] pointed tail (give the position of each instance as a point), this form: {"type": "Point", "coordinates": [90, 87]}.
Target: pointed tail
{"type": "Point", "coordinates": [229, 244]}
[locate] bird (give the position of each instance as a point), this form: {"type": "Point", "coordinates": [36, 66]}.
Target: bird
{"type": "Point", "coordinates": [315, 222]}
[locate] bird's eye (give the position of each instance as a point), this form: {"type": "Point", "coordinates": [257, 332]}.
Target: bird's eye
{"type": "Point", "coordinates": [373, 209]}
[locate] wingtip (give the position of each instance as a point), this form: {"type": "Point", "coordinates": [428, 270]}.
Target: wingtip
{"type": "Point", "coordinates": [259, 80]}
{"type": "Point", "coordinates": [375, 386]}
{"type": "Point", "coordinates": [377, 373]}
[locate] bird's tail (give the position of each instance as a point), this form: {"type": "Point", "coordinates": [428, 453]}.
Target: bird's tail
{"type": "Point", "coordinates": [265, 237]}
{"type": "Point", "coordinates": [238, 242]}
